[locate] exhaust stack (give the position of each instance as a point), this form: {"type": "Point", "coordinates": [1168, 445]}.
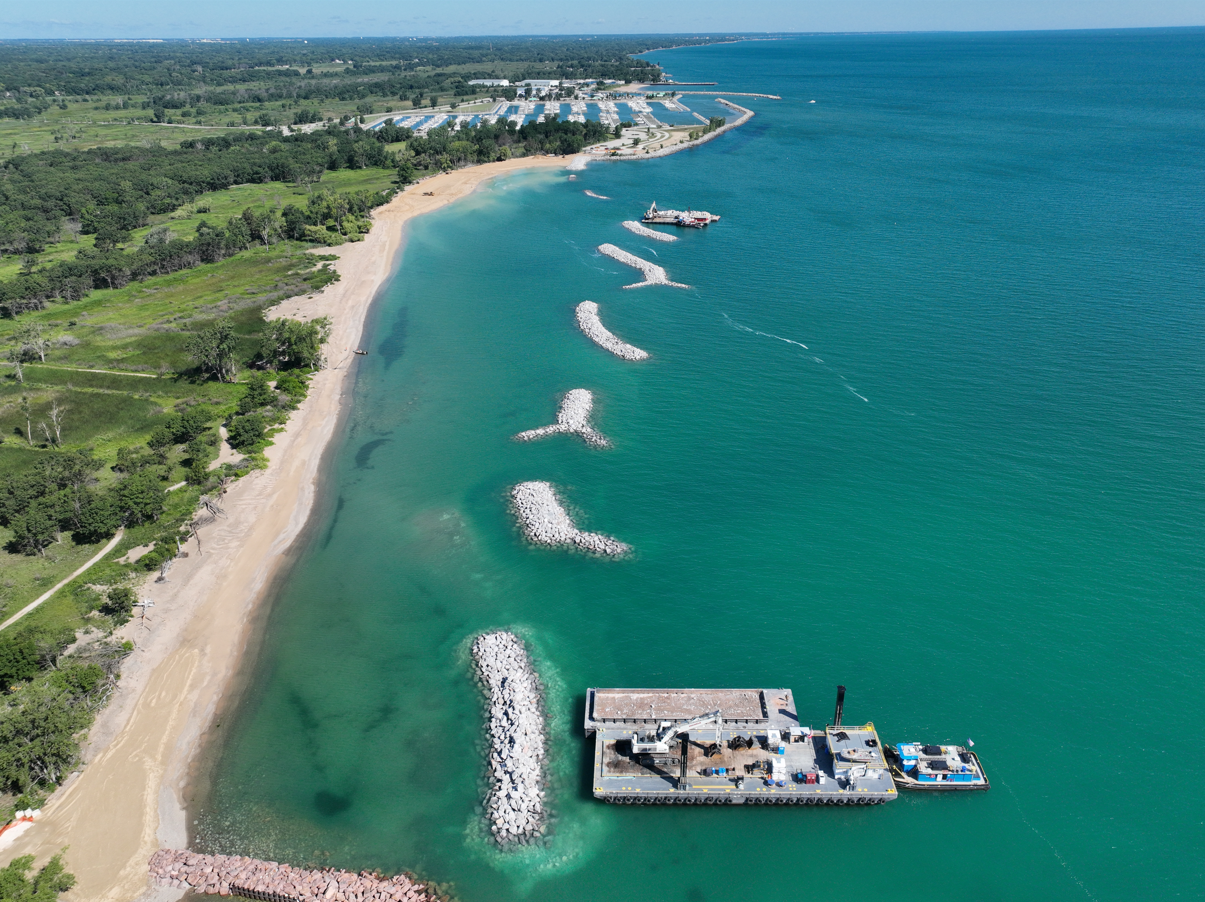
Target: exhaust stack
{"type": "Point", "coordinates": [840, 705]}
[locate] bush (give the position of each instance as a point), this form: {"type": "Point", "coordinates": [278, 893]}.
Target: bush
{"type": "Point", "coordinates": [18, 660]}
{"type": "Point", "coordinates": [245, 432]}
{"type": "Point", "coordinates": [46, 885]}
{"type": "Point", "coordinates": [120, 603]}
{"type": "Point", "coordinates": [257, 394]}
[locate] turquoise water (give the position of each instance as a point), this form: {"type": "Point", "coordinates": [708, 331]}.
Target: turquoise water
{"type": "Point", "coordinates": [975, 497]}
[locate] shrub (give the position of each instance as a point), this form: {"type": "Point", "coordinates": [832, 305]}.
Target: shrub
{"type": "Point", "coordinates": [258, 393]}
{"type": "Point", "coordinates": [46, 885]}
{"type": "Point", "coordinates": [245, 432]}
{"type": "Point", "coordinates": [120, 603]}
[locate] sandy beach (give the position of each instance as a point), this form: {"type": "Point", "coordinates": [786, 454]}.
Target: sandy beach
{"type": "Point", "coordinates": [128, 800]}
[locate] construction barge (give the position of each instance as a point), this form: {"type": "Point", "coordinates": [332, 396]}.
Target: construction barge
{"type": "Point", "coordinates": [729, 747]}
{"type": "Point", "coordinates": [691, 219]}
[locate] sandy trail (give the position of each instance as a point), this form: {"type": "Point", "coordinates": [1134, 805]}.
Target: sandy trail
{"type": "Point", "coordinates": [129, 799]}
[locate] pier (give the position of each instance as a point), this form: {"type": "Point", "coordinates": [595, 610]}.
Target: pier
{"type": "Point", "coordinates": [728, 747]}
{"type": "Point", "coordinates": [251, 878]}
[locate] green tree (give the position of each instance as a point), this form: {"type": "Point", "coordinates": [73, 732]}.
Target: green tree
{"type": "Point", "coordinates": [405, 172]}
{"type": "Point", "coordinates": [15, 885]}
{"type": "Point", "coordinates": [34, 530]}
{"type": "Point", "coordinates": [98, 520]}
{"type": "Point", "coordinates": [213, 350]}
{"type": "Point", "coordinates": [120, 603]}
{"type": "Point", "coordinates": [18, 660]}
{"type": "Point", "coordinates": [245, 432]}
{"type": "Point", "coordinates": [38, 727]}
{"type": "Point", "coordinates": [289, 343]}
{"type": "Point", "coordinates": [257, 394]}
{"type": "Point", "coordinates": [140, 498]}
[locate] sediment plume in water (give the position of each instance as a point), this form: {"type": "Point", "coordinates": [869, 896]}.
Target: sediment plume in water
{"type": "Point", "coordinates": [514, 805]}
{"type": "Point", "coordinates": [545, 522]}
{"type": "Point", "coordinates": [573, 418]}
{"type": "Point", "coordinates": [633, 226]}
{"type": "Point", "coordinates": [589, 323]}
{"type": "Point", "coordinates": [234, 875]}
{"type": "Point", "coordinates": [653, 274]}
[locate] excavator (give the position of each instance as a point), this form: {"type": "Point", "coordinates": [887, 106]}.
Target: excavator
{"type": "Point", "coordinates": [653, 747]}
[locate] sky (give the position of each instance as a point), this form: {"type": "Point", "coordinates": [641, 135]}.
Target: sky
{"type": "Point", "coordinates": [356, 18]}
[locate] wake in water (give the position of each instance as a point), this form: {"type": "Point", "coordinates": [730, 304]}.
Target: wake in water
{"type": "Point", "coordinates": [590, 193]}
{"type": "Point", "coordinates": [743, 328]}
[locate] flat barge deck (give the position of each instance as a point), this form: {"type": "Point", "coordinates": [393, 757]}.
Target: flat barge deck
{"type": "Point", "coordinates": [755, 752]}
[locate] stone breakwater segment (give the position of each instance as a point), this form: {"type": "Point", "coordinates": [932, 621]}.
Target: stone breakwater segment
{"type": "Point", "coordinates": [653, 274]}
{"type": "Point", "coordinates": [514, 805]}
{"type": "Point", "coordinates": [573, 418]}
{"type": "Point", "coordinates": [633, 226]}
{"type": "Point", "coordinates": [233, 875]}
{"type": "Point", "coordinates": [545, 522]}
{"type": "Point", "coordinates": [589, 323]}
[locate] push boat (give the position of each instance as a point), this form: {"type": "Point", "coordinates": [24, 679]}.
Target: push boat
{"type": "Point", "coordinates": [691, 219]}
{"type": "Point", "coordinates": [935, 768]}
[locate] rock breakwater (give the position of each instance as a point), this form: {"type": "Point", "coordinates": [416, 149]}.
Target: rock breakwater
{"type": "Point", "coordinates": [573, 418]}
{"type": "Point", "coordinates": [633, 226]}
{"type": "Point", "coordinates": [545, 522]}
{"type": "Point", "coordinates": [589, 322]}
{"type": "Point", "coordinates": [653, 274]}
{"type": "Point", "coordinates": [251, 878]}
{"type": "Point", "coordinates": [514, 805]}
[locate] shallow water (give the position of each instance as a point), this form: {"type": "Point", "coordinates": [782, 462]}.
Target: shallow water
{"type": "Point", "coordinates": [928, 424]}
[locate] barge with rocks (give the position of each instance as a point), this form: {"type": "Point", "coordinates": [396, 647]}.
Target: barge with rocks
{"type": "Point", "coordinates": [691, 219]}
{"type": "Point", "coordinates": [729, 747]}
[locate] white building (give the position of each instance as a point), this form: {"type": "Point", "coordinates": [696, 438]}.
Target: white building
{"type": "Point", "coordinates": [492, 82]}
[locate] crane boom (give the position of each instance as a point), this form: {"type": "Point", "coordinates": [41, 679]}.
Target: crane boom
{"type": "Point", "coordinates": [668, 731]}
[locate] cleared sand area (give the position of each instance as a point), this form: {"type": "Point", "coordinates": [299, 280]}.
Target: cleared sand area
{"type": "Point", "coordinates": [129, 799]}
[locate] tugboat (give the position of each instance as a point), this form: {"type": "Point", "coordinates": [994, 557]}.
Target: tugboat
{"type": "Point", "coordinates": [935, 768]}
{"type": "Point", "coordinates": [691, 219]}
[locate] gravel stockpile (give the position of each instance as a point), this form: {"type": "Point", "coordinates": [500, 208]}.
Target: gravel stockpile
{"type": "Point", "coordinates": [653, 274]}
{"type": "Point", "coordinates": [545, 522]}
{"type": "Point", "coordinates": [514, 805]}
{"type": "Point", "coordinates": [572, 418]}
{"type": "Point", "coordinates": [588, 322]}
{"type": "Point", "coordinates": [644, 231]}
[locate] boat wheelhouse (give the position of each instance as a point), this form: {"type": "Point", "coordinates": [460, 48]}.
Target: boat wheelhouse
{"type": "Point", "coordinates": [935, 767]}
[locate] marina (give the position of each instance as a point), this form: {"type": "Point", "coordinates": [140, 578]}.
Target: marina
{"type": "Point", "coordinates": [728, 747]}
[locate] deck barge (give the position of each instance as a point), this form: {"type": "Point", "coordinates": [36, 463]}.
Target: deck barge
{"type": "Point", "coordinates": [755, 752]}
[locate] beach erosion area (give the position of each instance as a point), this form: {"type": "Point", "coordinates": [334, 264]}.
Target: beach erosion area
{"type": "Point", "coordinates": [128, 800]}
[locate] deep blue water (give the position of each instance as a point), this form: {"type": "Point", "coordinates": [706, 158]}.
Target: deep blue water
{"type": "Point", "coordinates": [975, 497]}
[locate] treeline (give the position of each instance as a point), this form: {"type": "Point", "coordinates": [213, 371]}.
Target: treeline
{"type": "Point", "coordinates": [109, 190]}
{"type": "Point", "coordinates": [443, 148]}
{"type": "Point", "coordinates": [329, 218]}
{"type": "Point", "coordinates": [109, 68]}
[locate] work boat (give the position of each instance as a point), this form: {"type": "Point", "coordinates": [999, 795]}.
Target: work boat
{"type": "Point", "coordinates": [691, 219]}
{"type": "Point", "coordinates": [935, 767]}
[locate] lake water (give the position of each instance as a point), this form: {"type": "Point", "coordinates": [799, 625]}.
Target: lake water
{"type": "Point", "coordinates": [929, 423]}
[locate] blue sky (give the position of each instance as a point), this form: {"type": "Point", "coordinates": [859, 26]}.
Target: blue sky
{"type": "Point", "coordinates": [323, 18]}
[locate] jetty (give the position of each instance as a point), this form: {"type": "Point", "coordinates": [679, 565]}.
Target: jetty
{"type": "Point", "coordinates": [653, 274]}
{"type": "Point", "coordinates": [514, 805]}
{"type": "Point", "coordinates": [645, 232]}
{"type": "Point", "coordinates": [588, 321]}
{"type": "Point", "coordinates": [573, 418]}
{"type": "Point", "coordinates": [544, 521]}
{"type": "Point", "coordinates": [728, 747]}
{"type": "Point", "coordinates": [251, 878]}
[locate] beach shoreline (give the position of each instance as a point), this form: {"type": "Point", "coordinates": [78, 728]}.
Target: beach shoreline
{"type": "Point", "coordinates": [130, 798]}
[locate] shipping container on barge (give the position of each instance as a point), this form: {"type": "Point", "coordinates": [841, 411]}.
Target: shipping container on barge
{"type": "Point", "coordinates": [691, 219]}
{"type": "Point", "coordinates": [728, 747]}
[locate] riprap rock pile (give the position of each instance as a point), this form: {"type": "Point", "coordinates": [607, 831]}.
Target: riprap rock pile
{"type": "Point", "coordinates": [234, 875]}
{"type": "Point", "coordinates": [545, 522]}
{"type": "Point", "coordinates": [653, 274]}
{"type": "Point", "coordinates": [588, 322]}
{"type": "Point", "coordinates": [514, 805]}
{"type": "Point", "coordinates": [633, 226]}
{"type": "Point", "coordinates": [572, 418]}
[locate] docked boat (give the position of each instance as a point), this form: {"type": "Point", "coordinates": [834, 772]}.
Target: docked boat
{"type": "Point", "coordinates": [691, 219]}
{"type": "Point", "coordinates": [935, 767]}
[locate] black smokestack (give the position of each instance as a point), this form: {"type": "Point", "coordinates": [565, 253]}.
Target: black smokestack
{"type": "Point", "coordinates": [840, 705]}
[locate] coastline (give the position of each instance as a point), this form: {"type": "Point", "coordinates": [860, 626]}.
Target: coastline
{"type": "Point", "coordinates": [128, 800]}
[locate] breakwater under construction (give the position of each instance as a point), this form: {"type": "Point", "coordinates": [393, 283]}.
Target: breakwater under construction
{"type": "Point", "coordinates": [653, 274]}
{"type": "Point", "coordinates": [544, 521]}
{"type": "Point", "coordinates": [573, 418]}
{"type": "Point", "coordinates": [591, 325]}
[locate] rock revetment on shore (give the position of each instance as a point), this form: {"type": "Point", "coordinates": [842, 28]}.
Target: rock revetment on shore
{"type": "Point", "coordinates": [645, 232]}
{"type": "Point", "coordinates": [572, 418]}
{"type": "Point", "coordinates": [251, 878]}
{"type": "Point", "coordinates": [591, 325]}
{"type": "Point", "coordinates": [545, 522]}
{"type": "Point", "coordinates": [514, 805]}
{"type": "Point", "coordinates": [653, 274]}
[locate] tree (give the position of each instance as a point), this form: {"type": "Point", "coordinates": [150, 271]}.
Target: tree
{"type": "Point", "coordinates": [257, 394]}
{"type": "Point", "coordinates": [405, 172]}
{"type": "Point", "coordinates": [98, 520]}
{"type": "Point", "coordinates": [245, 432]}
{"type": "Point", "coordinates": [34, 530]}
{"type": "Point", "coordinates": [140, 498]}
{"type": "Point", "coordinates": [213, 350]}
{"type": "Point", "coordinates": [44, 887]}
{"type": "Point", "coordinates": [120, 603]}
{"type": "Point", "coordinates": [38, 726]}
{"type": "Point", "coordinates": [18, 660]}
{"type": "Point", "coordinates": [31, 339]}
{"type": "Point", "coordinates": [289, 343]}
